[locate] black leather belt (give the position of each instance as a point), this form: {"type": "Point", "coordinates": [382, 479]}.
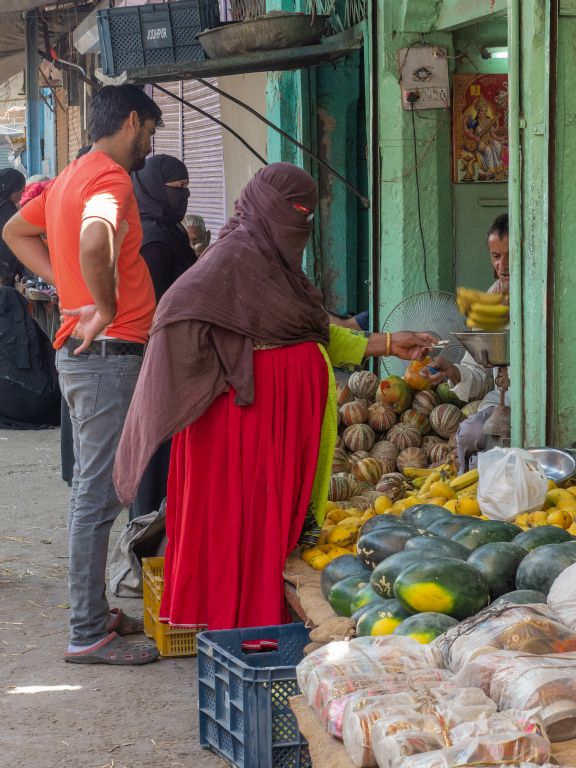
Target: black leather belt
{"type": "Point", "coordinates": [106, 347]}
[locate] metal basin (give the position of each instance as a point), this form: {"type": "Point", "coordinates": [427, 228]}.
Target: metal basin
{"type": "Point", "coordinates": [267, 33]}
{"type": "Point", "coordinates": [558, 465]}
{"type": "Point", "coordinates": [488, 349]}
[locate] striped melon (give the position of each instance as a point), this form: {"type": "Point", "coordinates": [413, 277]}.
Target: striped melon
{"type": "Point", "coordinates": [363, 384]}
{"type": "Point", "coordinates": [445, 419]}
{"type": "Point", "coordinates": [354, 458]}
{"type": "Point", "coordinates": [369, 470]}
{"type": "Point", "coordinates": [354, 412]}
{"type": "Point", "coordinates": [359, 437]}
{"type": "Point", "coordinates": [438, 452]}
{"type": "Point", "coordinates": [339, 490]}
{"type": "Point", "coordinates": [340, 462]}
{"type": "Point", "coordinates": [343, 394]}
{"type": "Point", "coordinates": [391, 485]}
{"type": "Point", "coordinates": [416, 419]}
{"type": "Point", "coordinates": [412, 457]}
{"type": "Point", "coordinates": [404, 436]}
{"type": "Point", "coordinates": [381, 417]}
{"type": "Point", "coordinates": [425, 402]}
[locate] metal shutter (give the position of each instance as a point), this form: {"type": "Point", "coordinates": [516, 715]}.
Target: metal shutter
{"type": "Point", "coordinates": [197, 141]}
{"type": "Point", "coordinates": [204, 156]}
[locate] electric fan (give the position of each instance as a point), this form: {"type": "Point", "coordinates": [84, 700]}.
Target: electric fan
{"type": "Point", "coordinates": [435, 312]}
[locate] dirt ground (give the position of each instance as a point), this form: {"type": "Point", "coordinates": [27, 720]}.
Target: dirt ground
{"type": "Point", "coordinates": [56, 714]}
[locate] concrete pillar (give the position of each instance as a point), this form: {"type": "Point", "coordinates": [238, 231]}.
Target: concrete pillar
{"type": "Point", "coordinates": [33, 103]}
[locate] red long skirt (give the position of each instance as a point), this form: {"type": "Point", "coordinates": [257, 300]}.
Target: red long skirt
{"type": "Point", "coordinates": [238, 490]}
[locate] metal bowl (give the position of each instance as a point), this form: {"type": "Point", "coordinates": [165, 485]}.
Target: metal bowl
{"type": "Point", "coordinates": [558, 465]}
{"type": "Point", "coordinates": [267, 33]}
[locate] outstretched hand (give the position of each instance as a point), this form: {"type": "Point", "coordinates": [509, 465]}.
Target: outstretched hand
{"type": "Point", "coordinates": [408, 345]}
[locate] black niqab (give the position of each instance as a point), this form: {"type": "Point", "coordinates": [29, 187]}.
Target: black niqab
{"type": "Point", "coordinates": [11, 181]}
{"type": "Point", "coordinates": [160, 219]}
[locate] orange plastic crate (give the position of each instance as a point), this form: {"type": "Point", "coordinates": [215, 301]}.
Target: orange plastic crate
{"type": "Point", "coordinates": [171, 641]}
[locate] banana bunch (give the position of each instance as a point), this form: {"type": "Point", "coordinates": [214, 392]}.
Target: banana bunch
{"type": "Point", "coordinates": [466, 482]}
{"type": "Point", "coordinates": [484, 311]}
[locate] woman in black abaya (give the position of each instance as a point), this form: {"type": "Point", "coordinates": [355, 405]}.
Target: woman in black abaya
{"type": "Point", "coordinates": [162, 193]}
{"type": "Point", "coordinates": [12, 184]}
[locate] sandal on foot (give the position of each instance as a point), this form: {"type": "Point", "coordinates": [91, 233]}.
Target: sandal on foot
{"type": "Point", "coordinates": [115, 650]}
{"type": "Point", "coordinates": [123, 624]}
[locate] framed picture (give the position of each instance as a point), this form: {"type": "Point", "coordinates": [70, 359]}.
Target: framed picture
{"type": "Point", "coordinates": [480, 128]}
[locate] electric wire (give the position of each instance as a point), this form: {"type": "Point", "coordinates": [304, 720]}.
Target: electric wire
{"type": "Point", "coordinates": [416, 176]}
{"type": "Point", "coordinates": [365, 202]}
{"type": "Point", "coordinates": [214, 119]}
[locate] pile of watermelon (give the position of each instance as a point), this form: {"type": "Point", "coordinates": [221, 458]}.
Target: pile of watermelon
{"type": "Point", "coordinates": [422, 572]}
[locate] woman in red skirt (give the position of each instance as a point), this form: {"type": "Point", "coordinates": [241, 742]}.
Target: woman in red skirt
{"type": "Point", "coordinates": [235, 369]}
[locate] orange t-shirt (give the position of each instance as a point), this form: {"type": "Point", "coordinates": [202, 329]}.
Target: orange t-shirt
{"type": "Point", "coordinates": [95, 186]}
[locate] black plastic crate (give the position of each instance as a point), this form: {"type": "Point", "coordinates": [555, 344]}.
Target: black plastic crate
{"type": "Point", "coordinates": [150, 35]}
{"type": "Point", "coordinates": [243, 697]}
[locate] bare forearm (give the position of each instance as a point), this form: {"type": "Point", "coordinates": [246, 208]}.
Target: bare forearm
{"type": "Point", "coordinates": [100, 278]}
{"type": "Point", "coordinates": [31, 252]}
{"type": "Point", "coordinates": [376, 345]}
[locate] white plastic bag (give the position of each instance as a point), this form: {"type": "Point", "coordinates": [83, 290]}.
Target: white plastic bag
{"type": "Point", "coordinates": [511, 482]}
{"type": "Point", "coordinates": [562, 596]}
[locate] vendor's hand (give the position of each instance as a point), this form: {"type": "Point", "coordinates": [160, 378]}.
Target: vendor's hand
{"type": "Point", "coordinates": [411, 346]}
{"type": "Point", "coordinates": [445, 370]}
{"type": "Point", "coordinates": [90, 324]}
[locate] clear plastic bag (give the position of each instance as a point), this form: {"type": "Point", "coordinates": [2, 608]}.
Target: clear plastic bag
{"type": "Point", "coordinates": [502, 722]}
{"type": "Point", "coordinates": [527, 629]}
{"type": "Point", "coordinates": [511, 482]}
{"type": "Point", "coordinates": [495, 749]}
{"type": "Point", "coordinates": [390, 749]}
{"type": "Point", "coordinates": [562, 596]}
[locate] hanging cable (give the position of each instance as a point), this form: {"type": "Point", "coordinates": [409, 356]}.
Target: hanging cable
{"type": "Point", "coordinates": [416, 176]}
{"type": "Point", "coordinates": [364, 200]}
{"type": "Point", "coordinates": [211, 117]}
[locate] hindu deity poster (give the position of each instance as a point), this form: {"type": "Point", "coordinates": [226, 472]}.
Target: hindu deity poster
{"type": "Point", "coordinates": [480, 128]}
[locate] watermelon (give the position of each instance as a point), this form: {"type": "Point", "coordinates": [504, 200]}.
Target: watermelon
{"type": "Point", "coordinates": [498, 563]}
{"type": "Point", "coordinates": [544, 534]}
{"type": "Point", "coordinates": [443, 585]}
{"type": "Point", "coordinates": [356, 615]}
{"type": "Point", "coordinates": [424, 627]}
{"type": "Point", "coordinates": [486, 532]}
{"type": "Point", "coordinates": [340, 568]}
{"type": "Point", "coordinates": [343, 592]}
{"type": "Point", "coordinates": [364, 596]}
{"type": "Point", "coordinates": [521, 597]}
{"type": "Point", "coordinates": [384, 575]}
{"type": "Point", "coordinates": [448, 526]}
{"type": "Point", "coordinates": [377, 545]}
{"type": "Point", "coordinates": [437, 545]}
{"type": "Point", "coordinates": [381, 521]}
{"type": "Point", "coordinates": [421, 515]}
{"type": "Point", "coordinates": [543, 565]}
{"type": "Point", "coordinates": [381, 618]}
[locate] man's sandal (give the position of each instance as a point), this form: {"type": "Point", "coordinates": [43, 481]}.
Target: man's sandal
{"type": "Point", "coordinates": [115, 650]}
{"type": "Point", "coordinates": [123, 624]}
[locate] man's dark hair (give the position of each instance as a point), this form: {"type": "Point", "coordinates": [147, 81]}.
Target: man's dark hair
{"type": "Point", "coordinates": [112, 105]}
{"type": "Point", "coordinates": [83, 151]}
{"type": "Point", "coordinates": [499, 226]}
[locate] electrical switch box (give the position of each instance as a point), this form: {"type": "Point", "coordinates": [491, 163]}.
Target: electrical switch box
{"type": "Point", "coordinates": [423, 76]}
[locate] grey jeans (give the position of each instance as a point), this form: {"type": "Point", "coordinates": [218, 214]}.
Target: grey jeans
{"type": "Point", "coordinates": [98, 391]}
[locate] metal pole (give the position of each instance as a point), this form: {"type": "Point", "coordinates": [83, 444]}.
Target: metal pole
{"type": "Point", "coordinates": [33, 103]}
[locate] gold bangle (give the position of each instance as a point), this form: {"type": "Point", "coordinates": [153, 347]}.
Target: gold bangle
{"type": "Point", "coordinates": [388, 343]}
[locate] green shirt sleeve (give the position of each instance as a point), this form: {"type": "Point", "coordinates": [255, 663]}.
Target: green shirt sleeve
{"type": "Point", "coordinates": [346, 347]}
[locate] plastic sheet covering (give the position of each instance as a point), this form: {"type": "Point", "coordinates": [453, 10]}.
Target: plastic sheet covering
{"type": "Point", "coordinates": [368, 657]}
{"type": "Point", "coordinates": [527, 629]}
{"type": "Point", "coordinates": [434, 710]}
{"type": "Point", "coordinates": [494, 750]}
{"type": "Point", "coordinates": [528, 682]}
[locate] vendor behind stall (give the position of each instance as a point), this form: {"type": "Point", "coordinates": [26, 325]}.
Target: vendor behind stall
{"type": "Point", "coordinates": [468, 380]}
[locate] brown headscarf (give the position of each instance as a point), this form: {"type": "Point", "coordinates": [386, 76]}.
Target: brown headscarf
{"type": "Point", "coordinates": [248, 286]}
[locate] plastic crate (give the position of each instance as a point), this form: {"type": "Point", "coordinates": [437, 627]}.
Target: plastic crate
{"type": "Point", "coordinates": [243, 697]}
{"type": "Point", "coordinates": [151, 35]}
{"type": "Point", "coordinates": [171, 641]}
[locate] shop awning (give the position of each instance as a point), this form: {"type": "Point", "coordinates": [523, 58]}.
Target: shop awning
{"type": "Point", "coordinates": [331, 49]}
{"type": "Point", "coordinates": [13, 29]}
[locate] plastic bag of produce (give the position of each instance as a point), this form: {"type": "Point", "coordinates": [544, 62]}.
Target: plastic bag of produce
{"type": "Point", "coordinates": [514, 747]}
{"type": "Point", "coordinates": [402, 700]}
{"type": "Point", "coordinates": [390, 750]}
{"type": "Point", "coordinates": [502, 722]}
{"type": "Point", "coordinates": [528, 629]}
{"type": "Point", "coordinates": [511, 482]}
{"type": "Point", "coordinates": [562, 596]}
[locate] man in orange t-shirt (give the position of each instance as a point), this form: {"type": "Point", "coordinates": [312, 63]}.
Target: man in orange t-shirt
{"type": "Point", "coordinates": [90, 218]}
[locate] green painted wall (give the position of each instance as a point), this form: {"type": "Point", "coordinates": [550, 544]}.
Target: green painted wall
{"type": "Point", "coordinates": [402, 254]}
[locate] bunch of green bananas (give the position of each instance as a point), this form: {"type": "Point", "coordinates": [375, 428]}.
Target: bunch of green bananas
{"type": "Point", "coordinates": [484, 311]}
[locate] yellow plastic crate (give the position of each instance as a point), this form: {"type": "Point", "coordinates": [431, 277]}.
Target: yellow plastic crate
{"type": "Point", "coordinates": [171, 641]}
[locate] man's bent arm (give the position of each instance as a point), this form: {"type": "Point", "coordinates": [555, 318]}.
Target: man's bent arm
{"type": "Point", "coordinates": [25, 242]}
{"type": "Point", "coordinates": [98, 265]}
